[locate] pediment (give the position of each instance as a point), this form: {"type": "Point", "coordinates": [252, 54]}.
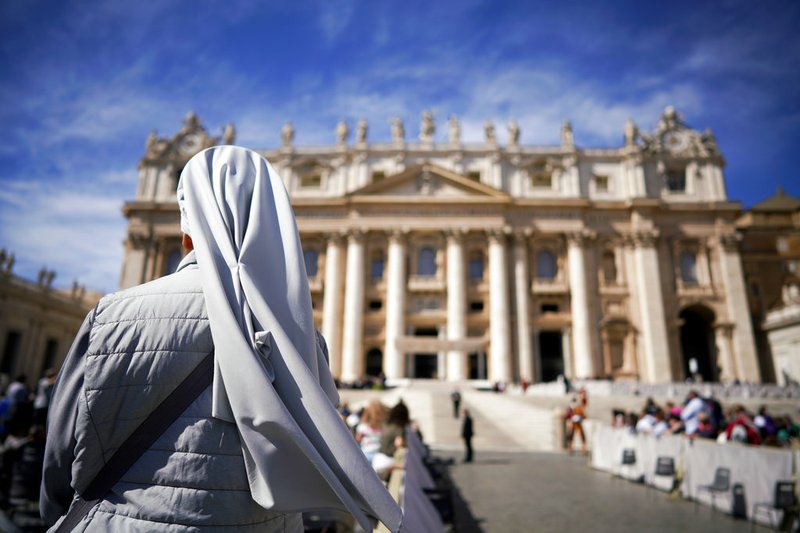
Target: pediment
{"type": "Point", "coordinates": [429, 181]}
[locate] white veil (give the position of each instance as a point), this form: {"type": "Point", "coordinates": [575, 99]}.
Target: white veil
{"type": "Point", "coordinates": [271, 372]}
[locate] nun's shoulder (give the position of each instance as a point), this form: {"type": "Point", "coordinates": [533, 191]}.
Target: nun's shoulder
{"type": "Point", "coordinates": [183, 285]}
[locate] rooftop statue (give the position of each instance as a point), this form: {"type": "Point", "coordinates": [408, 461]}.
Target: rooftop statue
{"type": "Point", "coordinates": [361, 131]}
{"type": "Point", "coordinates": [229, 134]}
{"type": "Point", "coordinates": [513, 132]}
{"type": "Point", "coordinates": [398, 130]}
{"type": "Point", "coordinates": [488, 128]}
{"type": "Point", "coordinates": [454, 130]}
{"type": "Point", "coordinates": [427, 127]}
{"type": "Point", "coordinates": [342, 132]}
{"type": "Point", "coordinates": [631, 133]}
{"type": "Point", "coordinates": [567, 138]}
{"type": "Point", "coordinates": [287, 133]}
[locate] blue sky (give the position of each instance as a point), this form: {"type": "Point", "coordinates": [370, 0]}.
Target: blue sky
{"type": "Point", "coordinates": [82, 84]}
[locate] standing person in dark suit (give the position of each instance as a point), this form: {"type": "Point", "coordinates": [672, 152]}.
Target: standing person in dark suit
{"type": "Point", "coordinates": [466, 434]}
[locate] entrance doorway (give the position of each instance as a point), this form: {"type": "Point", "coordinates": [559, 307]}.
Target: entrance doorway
{"type": "Point", "coordinates": [697, 343]}
{"type": "Point", "coordinates": [374, 362]}
{"type": "Point", "coordinates": [424, 365]}
{"type": "Point", "coordinates": [477, 365]}
{"type": "Point", "coordinates": [551, 354]}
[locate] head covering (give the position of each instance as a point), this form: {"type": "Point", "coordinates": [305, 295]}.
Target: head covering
{"type": "Point", "coordinates": [271, 372]}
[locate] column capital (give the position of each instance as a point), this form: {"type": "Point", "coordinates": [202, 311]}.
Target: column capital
{"type": "Point", "coordinates": [642, 238]}
{"type": "Point", "coordinates": [521, 235]}
{"type": "Point", "coordinates": [356, 234]}
{"type": "Point", "coordinates": [725, 328]}
{"type": "Point", "coordinates": [398, 235]}
{"type": "Point", "coordinates": [580, 237]}
{"type": "Point", "coordinates": [730, 241]}
{"type": "Point", "coordinates": [498, 234]}
{"type": "Point", "coordinates": [455, 234]}
{"type": "Point", "coordinates": [335, 237]}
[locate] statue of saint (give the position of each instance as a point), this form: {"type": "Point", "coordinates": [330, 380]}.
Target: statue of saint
{"type": "Point", "coordinates": [398, 130]}
{"type": "Point", "coordinates": [513, 132]}
{"type": "Point", "coordinates": [488, 128]}
{"type": "Point", "coordinates": [454, 130]}
{"type": "Point", "coordinates": [631, 132]}
{"type": "Point", "coordinates": [342, 132]}
{"type": "Point", "coordinates": [361, 131]}
{"type": "Point", "coordinates": [287, 133]}
{"type": "Point", "coordinates": [229, 134]}
{"type": "Point", "coordinates": [567, 139]}
{"type": "Point", "coordinates": [427, 127]}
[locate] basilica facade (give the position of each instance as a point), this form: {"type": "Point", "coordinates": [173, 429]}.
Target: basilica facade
{"type": "Point", "coordinates": [435, 258]}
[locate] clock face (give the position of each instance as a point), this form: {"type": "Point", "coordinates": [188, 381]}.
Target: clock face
{"type": "Point", "coordinates": [675, 141]}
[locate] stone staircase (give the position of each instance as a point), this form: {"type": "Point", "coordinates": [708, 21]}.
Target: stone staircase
{"type": "Point", "coordinates": [501, 422]}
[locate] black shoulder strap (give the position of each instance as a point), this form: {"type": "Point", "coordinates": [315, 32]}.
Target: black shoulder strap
{"type": "Point", "coordinates": [142, 438]}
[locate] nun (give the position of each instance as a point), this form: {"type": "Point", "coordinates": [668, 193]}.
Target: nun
{"type": "Point", "coordinates": [203, 400]}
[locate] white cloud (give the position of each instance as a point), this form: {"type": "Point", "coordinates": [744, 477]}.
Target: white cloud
{"type": "Point", "coordinates": [333, 17]}
{"type": "Point", "coordinates": [70, 228]}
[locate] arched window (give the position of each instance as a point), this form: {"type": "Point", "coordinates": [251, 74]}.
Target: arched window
{"type": "Point", "coordinates": [475, 267]}
{"type": "Point", "coordinates": [376, 266]}
{"type": "Point", "coordinates": [426, 262]}
{"type": "Point", "coordinates": [609, 267]}
{"type": "Point", "coordinates": [689, 267]}
{"type": "Point", "coordinates": [546, 267]}
{"type": "Point", "coordinates": [311, 258]}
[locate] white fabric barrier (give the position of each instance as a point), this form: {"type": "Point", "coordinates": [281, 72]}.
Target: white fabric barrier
{"type": "Point", "coordinates": [418, 511]}
{"type": "Point", "coordinates": [650, 448]}
{"type": "Point", "coordinates": [758, 469]}
{"type": "Point", "coordinates": [605, 447]}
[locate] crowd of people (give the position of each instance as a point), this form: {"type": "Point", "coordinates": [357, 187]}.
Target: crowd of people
{"type": "Point", "coordinates": [706, 418]}
{"type": "Point", "coordinates": [23, 414]}
{"type": "Point", "coordinates": [379, 431]}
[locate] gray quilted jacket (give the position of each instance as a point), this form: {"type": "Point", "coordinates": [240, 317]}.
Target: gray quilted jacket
{"type": "Point", "coordinates": [131, 352]}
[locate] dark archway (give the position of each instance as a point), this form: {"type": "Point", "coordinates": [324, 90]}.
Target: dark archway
{"type": "Point", "coordinates": [551, 355]}
{"type": "Point", "coordinates": [697, 342]}
{"type": "Point", "coordinates": [374, 362]}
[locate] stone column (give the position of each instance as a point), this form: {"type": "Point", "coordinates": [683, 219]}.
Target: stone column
{"type": "Point", "coordinates": [500, 364]}
{"type": "Point", "coordinates": [527, 369]}
{"type": "Point", "coordinates": [723, 335]}
{"type": "Point", "coordinates": [738, 310]}
{"type": "Point", "coordinates": [566, 352]}
{"type": "Point", "coordinates": [393, 358]}
{"type": "Point", "coordinates": [332, 303]}
{"type": "Point", "coordinates": [456, 304]}
{"type": "Point", "coordinates": [579, 305]}
{"type": "Point", "coordinates": [651, 307]}
{"type": "Point", "coordinates": [352, 348]}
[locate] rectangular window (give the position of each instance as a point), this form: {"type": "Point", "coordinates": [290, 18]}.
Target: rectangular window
{"type": "Point", "coordinates": [311, 181]}
{"type": "Point", "coordinates": [549, 308]}
{"type": "Point", "coordinates": [376, 268]}
{"type": "Point", "coordinates": [476, 307]}
{"type": "Point", "coordinates": [474, 175]}
{"type": "Point", "coordinates": [601, 183]}
{"type": "Point", "coordinates": [375, 305]}
{"type": "Point", "coordinates": [378, 175]}
{"type": "Point", "coordinates": [676, 180]}
{"type": "Point", "coordinates": [543, 181]}
{"type": "Point", "coordinates": [11, 352]}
